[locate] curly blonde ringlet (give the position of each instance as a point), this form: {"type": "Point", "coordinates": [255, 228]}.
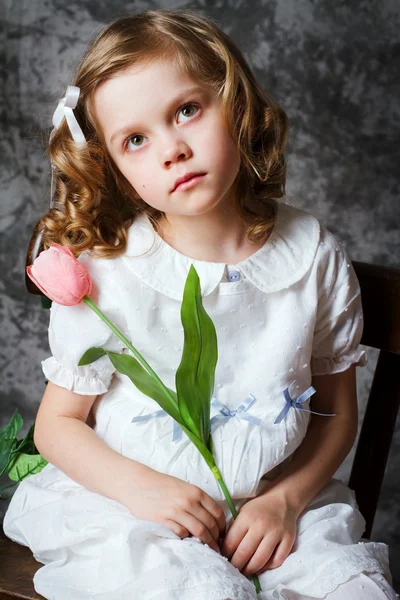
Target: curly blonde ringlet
{"type": "Point", "coordinates": [94, 203]}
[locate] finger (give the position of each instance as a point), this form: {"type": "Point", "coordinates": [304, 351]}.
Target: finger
{"type": "Point", "coordinates": [245, 550]}
{"type": "Point", "coordinates": [233, 537]}
{"type": "Point", "coordinates": [280, 554]}
{"type": "Point", "coordinates": [216, 511]}
{"type": "Point", "coordinates": [261, 556]}
{"type": "Point", "coordinates": [198, 529]}
{"type": "Point", "coordinates": [176, 528]}
{"type": "Point", "coordinates": [209, 521]}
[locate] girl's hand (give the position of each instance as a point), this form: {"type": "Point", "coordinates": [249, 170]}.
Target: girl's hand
{"type": "Point", "coordinates": [262, 535]}
{"type": "Point", "coordinates": [182, 507]}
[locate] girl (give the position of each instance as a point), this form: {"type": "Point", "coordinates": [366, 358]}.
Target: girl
{"type": "Point", "coordinates": [170, 154]}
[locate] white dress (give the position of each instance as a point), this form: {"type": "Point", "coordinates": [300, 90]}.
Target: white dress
{"type": "Point", "coordinates": [289, 311]}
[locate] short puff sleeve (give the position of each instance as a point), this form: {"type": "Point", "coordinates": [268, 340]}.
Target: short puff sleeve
{"type": "Point", "coordinates": [75, 329]}
{"type": "Point", "coordinates": [339, 320]}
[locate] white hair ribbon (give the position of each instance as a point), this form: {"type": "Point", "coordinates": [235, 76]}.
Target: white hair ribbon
{"type": "Point", "coordinates": [65, 109]}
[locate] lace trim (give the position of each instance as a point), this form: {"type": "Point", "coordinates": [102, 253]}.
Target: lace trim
{"type": "Point", "coordinates": [232, 583]}
{"type": "Point", "coordinates": [230, 592]}
{"type": "Point", "coordinates": [230, 586]}
{"type": "Point", "coordinates": [349, 564]}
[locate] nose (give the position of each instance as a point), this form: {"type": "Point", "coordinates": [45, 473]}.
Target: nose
{"type": "Point", "coordinates": [175, 150]}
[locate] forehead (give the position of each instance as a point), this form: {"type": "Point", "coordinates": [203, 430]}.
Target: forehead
{"type": "Point", "coordinates": [139, 88]}
{"type": "Point", "coordinates": [147, 74]}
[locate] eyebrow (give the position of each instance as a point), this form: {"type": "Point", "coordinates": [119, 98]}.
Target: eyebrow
{"type": "Point", "coordinates": [129, 128]}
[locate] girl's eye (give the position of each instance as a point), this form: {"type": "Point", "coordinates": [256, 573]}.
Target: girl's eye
{"type": "Point", "coordinates": [187, 111]}
{"type": "Point", "coordinates": [134, 142]}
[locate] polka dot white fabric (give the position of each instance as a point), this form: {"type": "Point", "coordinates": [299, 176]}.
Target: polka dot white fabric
{"type": "Point", "coordinates": [289, 311]}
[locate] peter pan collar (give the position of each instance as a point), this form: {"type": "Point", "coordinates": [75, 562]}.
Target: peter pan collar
{"type": "Point", "coordinates": [283, 260]}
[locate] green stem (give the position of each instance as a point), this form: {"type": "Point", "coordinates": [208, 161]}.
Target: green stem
{"type": "Point", "coordinates": [128, 344]}
{"type": "Point", "coordinates": [217, 474]}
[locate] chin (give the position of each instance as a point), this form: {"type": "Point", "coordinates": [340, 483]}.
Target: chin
{"type": "Point", "coordinates": [202, 208]}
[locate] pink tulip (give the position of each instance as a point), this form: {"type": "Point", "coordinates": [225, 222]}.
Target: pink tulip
{"type": "Point", "coordinates": [58, 274]}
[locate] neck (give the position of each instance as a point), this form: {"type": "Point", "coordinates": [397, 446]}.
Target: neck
{"type": "Point", "coordinates": [217, 236]}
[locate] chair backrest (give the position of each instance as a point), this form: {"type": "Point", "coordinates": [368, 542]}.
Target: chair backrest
{"type": "Point", "coordinates": [380, 294]}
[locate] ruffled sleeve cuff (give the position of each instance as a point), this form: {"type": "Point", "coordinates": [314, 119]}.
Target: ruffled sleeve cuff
{"type": "Point", "coordinates": [328, 365]}
{"type": "Point", "coordinates": [83, 380]}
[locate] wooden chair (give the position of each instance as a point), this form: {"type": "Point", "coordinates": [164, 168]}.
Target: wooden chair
{"type": "Point", "coordinates": [380, 291]}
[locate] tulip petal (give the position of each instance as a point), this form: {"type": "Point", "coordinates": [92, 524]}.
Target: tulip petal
{"type": "Point", "coordinates": [63, 250]}
{"type": "Point", "coordinates": [60, 276]}
{"type": "Point", "coordinates": [35, 281]}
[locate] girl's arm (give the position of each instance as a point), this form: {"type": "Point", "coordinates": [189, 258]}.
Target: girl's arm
{"type": "Point", "coordinates": [64, 439]}
{"type": "Point", "coordinates": [327, 442]}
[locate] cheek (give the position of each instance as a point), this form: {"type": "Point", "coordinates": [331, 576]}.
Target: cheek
{"type": "Point", "coordinates": [226, 152]}
{"type": "Point", "coordinates": [140, 176]}
{"type": "Point", "coordinates": [222, 147]}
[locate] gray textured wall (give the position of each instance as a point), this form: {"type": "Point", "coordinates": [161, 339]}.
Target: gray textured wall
{"type": "Point", "coordinates": [332, 65]}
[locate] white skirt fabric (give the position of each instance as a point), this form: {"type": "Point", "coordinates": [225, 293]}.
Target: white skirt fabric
{"type": "Point", "coordinates": [92, 547]}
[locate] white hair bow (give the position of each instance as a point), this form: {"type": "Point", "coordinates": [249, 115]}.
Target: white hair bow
{"type": "Point", "coordinates": [65, 109]}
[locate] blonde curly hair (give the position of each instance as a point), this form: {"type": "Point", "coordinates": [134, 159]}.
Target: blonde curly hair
{"type": "Point", "coordinates": [94, 204]}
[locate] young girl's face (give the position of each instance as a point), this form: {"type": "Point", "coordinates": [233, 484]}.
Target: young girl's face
{"type": "Point", "coordinates": [160, 125]}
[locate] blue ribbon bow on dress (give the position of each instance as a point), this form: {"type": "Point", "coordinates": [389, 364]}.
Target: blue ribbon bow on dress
{"type": "Point", "coordinates": [296, 403]}
{"type": "Point", "coordinates": [239, 412]}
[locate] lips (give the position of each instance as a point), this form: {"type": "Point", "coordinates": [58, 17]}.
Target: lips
{"type": "Point", "coordinates": [185, 178]}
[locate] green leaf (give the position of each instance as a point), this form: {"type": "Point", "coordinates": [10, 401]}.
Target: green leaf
{"type": "Point", "coordinates": [166, 398]}
{"type": "Point", "coordinates": [27, 445]}
{"type": "Point", "coordinates": [196, 372]}
{"type": "Point", "coordinates": [8, 440]}
{"type": "Point", "coordinates": [201, 447]}
{"type": "Point", "coordinates": [91, 355]}
{"type": "Point", "coordinates": [26, 464]}
{"type": "Point", "coordinates": [6, 487]}
{"type": "Point", "coordinates": [45, 302]}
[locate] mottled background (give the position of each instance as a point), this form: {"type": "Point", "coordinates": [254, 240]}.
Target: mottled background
{"type": "Point", "coordinates": [332, 66]}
